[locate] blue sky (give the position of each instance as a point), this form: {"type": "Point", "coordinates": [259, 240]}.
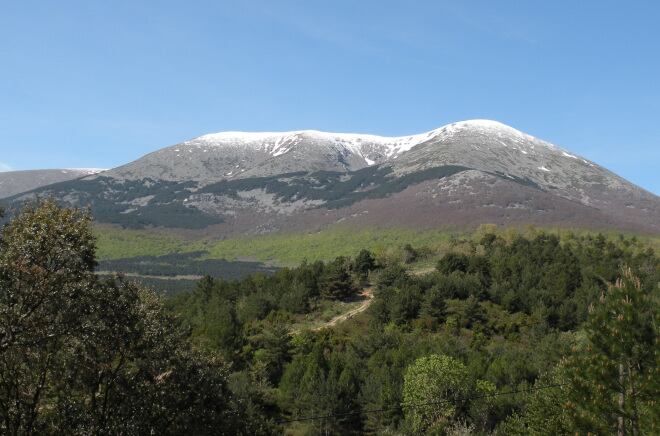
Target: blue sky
{"type": "Point", "coordinates": [97, 83]}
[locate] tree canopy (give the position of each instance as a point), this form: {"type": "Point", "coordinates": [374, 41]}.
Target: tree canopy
{"type": "Point", "coordinates": [508, 335]}
{"type": "Point", "coordinates": [79, 355]}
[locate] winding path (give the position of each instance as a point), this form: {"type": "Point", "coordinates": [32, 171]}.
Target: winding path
{"type": "Point", "coordinates": [368, 293]}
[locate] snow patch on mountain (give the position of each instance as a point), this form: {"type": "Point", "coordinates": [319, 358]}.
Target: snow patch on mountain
{"type": "Point", "coordinates": [279, 143]}
{"type": "Point", "coordinates": [85, 171]}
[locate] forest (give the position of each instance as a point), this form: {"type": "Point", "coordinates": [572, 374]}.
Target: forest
{"type": "Point", "coordinates": [505, 335]}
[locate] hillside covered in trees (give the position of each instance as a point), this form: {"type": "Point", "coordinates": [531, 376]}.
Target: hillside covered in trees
{"type": "Point", "coordinates": [515, 335]}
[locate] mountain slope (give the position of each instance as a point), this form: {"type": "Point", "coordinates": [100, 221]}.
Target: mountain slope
{"type": "Point", "coordinates": [16, 182]}
{"type": "Point", "coordinates": [459, 175]}
{"type": "Point", "coordinates": [232, 155]}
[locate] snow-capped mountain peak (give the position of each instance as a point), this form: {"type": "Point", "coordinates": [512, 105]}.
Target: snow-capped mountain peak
{"type": "Point", "coordinates": [279, 143]}
{"type": "Point", "coordinates": [478, 143]}
{"type": "Point", "coordinates": [489, 171]}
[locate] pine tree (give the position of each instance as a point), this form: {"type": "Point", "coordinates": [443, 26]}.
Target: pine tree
{"type": "Point", "coordinates": [364, 262]}
{"type": "Point", "coordinates": [615, 377]}
{"type": "Point", "coordinates": [336, 282]}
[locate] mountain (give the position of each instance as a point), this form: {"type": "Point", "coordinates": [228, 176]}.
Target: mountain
{"type": "Point", "coordinates": [459, 175]}
{"type": "Point", "coordinates": [234, 155]}
{"type": "Point", "coordinates": [16, 182]}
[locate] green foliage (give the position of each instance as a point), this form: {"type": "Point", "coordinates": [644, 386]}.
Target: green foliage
{"type": "Point", "coordinates": [544, 410]}
{"type": "Point", "coordinates": [285, 249]}
{"type": "Point", "coordinates": [410, 255]}
{"type": "Point", "coordinates": [434, 307]}
{"type": "Point", "coordinates": [436, 379]}
{"type": "Point", "coordinates": [289, 249]}
{"type": "Point", "coordinates": [457, 313]}
{"type": "Point", "coordinates": [615, 374]}
{"type": "Point", "coordinates": [364, 263]}
{"type": "Point", "coordinates": [319, 381]}
{"type": "Point", "coordinates": [451, 262]}
{"type": "Point", "coordinates": [46, 265]}
{"type": "Point", "coordinates": [336, 282]}
{"type": "Point", "coordinates": [394, 275]}
{"type": "Point", "coordinates": [84, 354]}
{"type": "Point", "coordinates": [117, 243]}
{"type": "Point", "coordinates": [436, 392]}
{"type": "Point", "coordinates": [81, 355]}
{"type": "Point", "coordinates": [269, 344]}
{"type": "Point", "coordinates": [192, 263]}
{"type": "Point", "coordinates": [219, 311]}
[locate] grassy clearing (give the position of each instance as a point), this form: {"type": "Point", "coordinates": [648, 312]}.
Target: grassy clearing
{"type": "Point", "coordinates": [114, 243]}
{"type": "Point", "coordinates": [289, 249]}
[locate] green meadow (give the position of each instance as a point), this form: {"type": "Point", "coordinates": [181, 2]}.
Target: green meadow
{"type": "Point", "coordinates": [288, 249]}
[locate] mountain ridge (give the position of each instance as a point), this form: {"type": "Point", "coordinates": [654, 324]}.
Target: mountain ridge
{"type": "Point", "coordinates": [266, 181]}
{"type": "Point", "coordinates": [357, 150]}
{"type": "Point", "coordinates": [16, 182]}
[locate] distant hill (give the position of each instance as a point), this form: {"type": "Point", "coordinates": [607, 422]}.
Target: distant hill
{"type": "Point", "coordinates": [16, 182]}
{"type": "Point", "coordinates": [459, 175]}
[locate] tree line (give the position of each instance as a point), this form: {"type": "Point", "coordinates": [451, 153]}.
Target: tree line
{"type": "Point", "coordinates": [530, 335]}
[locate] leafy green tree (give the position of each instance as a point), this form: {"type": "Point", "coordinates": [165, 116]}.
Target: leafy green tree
{"type": "Point", "coordinates": [255, 305]}
{"type": "Point", "coordinates": [615, 376]}
{"type": "Point", "coordinates": [46, 270]}
{"type": "Point", "coordinates": [434, 392]}
{"type": "Point", "coordinates": [80, 355]}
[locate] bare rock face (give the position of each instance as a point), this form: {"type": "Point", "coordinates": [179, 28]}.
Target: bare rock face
{"type": "Point", "coordinates": [16, 182]}
{"type": "Point", "coordinates": [459, 175]}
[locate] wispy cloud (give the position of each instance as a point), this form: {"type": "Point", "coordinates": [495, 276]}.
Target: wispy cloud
{"type": "Point", "coordinates": [4, 167]}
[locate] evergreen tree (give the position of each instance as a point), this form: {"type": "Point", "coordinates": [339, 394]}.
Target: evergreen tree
{"type": "Point", "coordinates": [451, 262]}
{"type": "Point", "coordinates": [434, 305]}
{"type": "Point", "coordinates": [336, 282]}
{"type": "Point", "coordinates": [364, 262]}
{"type": "Point", "coordinates": [615, 375]}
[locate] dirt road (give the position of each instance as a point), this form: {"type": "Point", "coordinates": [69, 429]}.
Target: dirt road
{"type": "Point", "coordinates": [367, 293]}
